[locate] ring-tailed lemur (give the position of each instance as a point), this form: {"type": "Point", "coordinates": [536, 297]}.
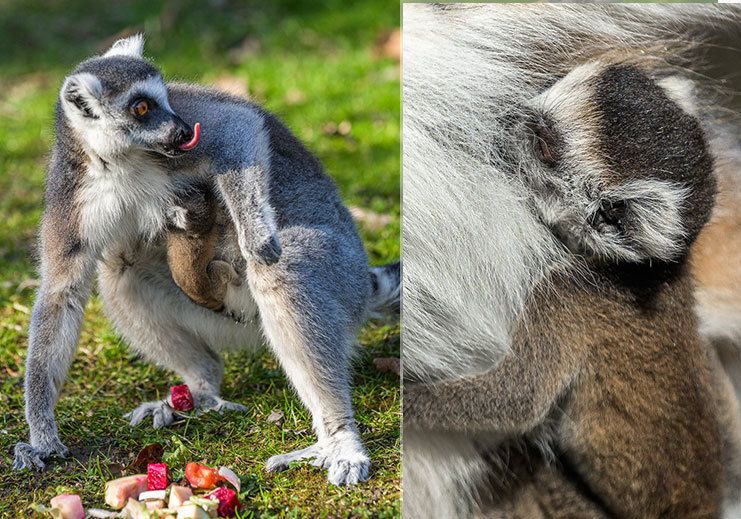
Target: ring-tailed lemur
{"type": "Point", "coordinates": [124, 147]}
{"type": "Point", "coordinates": [569, 162]}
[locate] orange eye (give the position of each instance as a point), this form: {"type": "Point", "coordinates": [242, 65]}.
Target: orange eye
{"type": "Point", "coordinates": [140, 108]}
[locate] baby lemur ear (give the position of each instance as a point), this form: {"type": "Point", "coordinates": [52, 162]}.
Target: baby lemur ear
{"type": "Point", "coordinates": [81, 94]}
{"type": "Point", "coordinates": [132, 46]}
{"type": "Point", "coordinates": [640, 220]}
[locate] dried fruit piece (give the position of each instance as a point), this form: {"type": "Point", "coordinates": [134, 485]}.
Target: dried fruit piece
{"type": "Point", "coordinates": [182, 399]}
{"type": "Point", "coordinates": [228, 501]}
{"type": "Point", "coordinates": [69, 506]}
{"type": "Point", "coordinates": [201, 476]}
{"type": "Point", "coordinates": [227, 474]}
{"type": "Point", "coordinates": [118, 491]}
{"type": "Point", "coordinates": [178, 496]}
{"type": "Point", "coordinates": [157, 476]}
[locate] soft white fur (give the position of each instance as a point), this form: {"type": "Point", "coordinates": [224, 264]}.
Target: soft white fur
{"type": "Point", "coordinates": [132, 46]}
{"type": "Point", "coordinates": [473, 247]}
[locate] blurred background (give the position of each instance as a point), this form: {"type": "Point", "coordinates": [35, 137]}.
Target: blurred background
{"type": "Point", "coordinates": [330, 70]}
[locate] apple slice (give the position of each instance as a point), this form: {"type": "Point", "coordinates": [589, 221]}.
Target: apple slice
{"type": "Point", "coordinates": [178, 496]}
{"type": "Point", "coordinates": [69, 505]}
{"type": "Point", "coordinates": [118, 491]}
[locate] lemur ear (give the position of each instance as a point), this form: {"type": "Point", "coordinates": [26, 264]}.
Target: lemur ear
{"type": "Point", "coordinates": [641, 220]}
{"type": "Point", "coordinates": [132, 46]}
{"type": "Point", "coordinates": [81, 95]}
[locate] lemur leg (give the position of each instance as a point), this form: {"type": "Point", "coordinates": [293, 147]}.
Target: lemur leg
{"type": "Point", "coordinates": [245, 192]}
{"type": "Point", "coordinates": [312, 339]}
{"type": "Point", "coordinates": [53, 334]}
{"type": "Point", "coordinates": [153, 315]}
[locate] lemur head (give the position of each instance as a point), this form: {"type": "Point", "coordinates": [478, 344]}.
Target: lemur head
{"type": "Point", "coordinates": [618, 164]}
{"type": "Point", "coordinates": [118, 102]}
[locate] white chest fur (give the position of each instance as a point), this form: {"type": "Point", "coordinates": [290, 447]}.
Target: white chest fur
{"type": "Point", "coordinates": [121, 203]}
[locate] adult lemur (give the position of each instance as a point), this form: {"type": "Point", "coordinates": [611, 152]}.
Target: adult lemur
{"type": "Point", "coordinates": [120, 157]}
{"type": "Point", "coordinates": [574, 169]}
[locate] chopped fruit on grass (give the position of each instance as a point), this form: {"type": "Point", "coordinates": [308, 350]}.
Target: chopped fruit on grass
{"type": "Point", "coordinates": [69, 506]}
{"type": "Point", "coordinates": [208, 504]}
{"type": "Point", "coordinates": [228, 501]}
{"type": "Point", "coordinates": [118, 491]}
{"type": "Point", "coordinates": [157, 476]}
{"type": "Point", "coordinates": [178, 496]}
{"type": "Point", "coordinates": [191, 511]}
{"type": "Point", "coordinates": [182, 399]}
{"type": "Point", "coordinates": [158, 504]}
{"type": "Point", "coordinates": [228, 475]}
{"type": "Point", "coordinates": [136, 510]}
{"type": "Point", "coordinates": [153, 495]}
{"type": "Point", "coordinates": [201, 476]}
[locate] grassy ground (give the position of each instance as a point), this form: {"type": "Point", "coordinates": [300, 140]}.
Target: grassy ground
{"type": "Point", "coordinates": [320, 68]}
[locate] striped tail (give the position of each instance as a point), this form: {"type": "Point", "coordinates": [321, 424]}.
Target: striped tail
{"type": "Point", "coordinates": [386, 296]}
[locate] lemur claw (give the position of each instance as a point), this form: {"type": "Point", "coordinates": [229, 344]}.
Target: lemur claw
{"type": "Point", "coordinates": [28, 457]}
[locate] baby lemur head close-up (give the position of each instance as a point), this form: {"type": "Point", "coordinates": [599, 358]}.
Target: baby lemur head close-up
{"type": "Point", "coordinates": [619, 170]}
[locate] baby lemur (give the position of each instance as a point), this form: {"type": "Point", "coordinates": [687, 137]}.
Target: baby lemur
{"type": "Point", "coordinates": [606, 365]}
{"type": "Point", "coordinates": [195, 223]}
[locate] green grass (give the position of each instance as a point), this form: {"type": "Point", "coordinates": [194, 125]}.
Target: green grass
{"type": "Point", "coordinates": [315, 66]}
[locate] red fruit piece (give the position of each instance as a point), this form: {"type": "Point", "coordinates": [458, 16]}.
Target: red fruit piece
{"type": "Point", "coordinates": [201, 476]}
{"type": "Point", "coordinates": [228, 501]}
{"type": "Point", "coordinates": [182, 399]}
{"type": "Point", "coordinates": [157, 476]}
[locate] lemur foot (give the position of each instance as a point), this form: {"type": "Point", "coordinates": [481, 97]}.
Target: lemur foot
{"type": "Point", "coordinates": [281, 461]}
{"type": "Point", "coordinates": [28, 457]}
{"type": "Point", "coordinates": [205, 402]}
{"type": "Point", "coordinates": [163, 414]}
{"type": "Point", "coordinates": [343, 456]}
{"type": "Point", "coordinates": [160, 411]}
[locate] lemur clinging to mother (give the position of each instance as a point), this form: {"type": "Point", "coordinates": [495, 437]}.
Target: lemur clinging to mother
{"type": "Point", "coordinates": [122, 154]}
{"type": "Point", "coordinates": [607, 364]}
{"type": "Point", "coordinates": [568, 160]}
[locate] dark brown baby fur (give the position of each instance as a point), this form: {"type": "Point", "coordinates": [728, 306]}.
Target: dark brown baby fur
{"type": "Point", "coordinates": [617, 379]}
{"type": "Point", "coordinates": [190, 251]}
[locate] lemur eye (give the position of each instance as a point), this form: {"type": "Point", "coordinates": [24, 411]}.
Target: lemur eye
{"type": "Point", "coordinates": [140, 108]}
{"type": "Point", "coordinates": [546, 143]}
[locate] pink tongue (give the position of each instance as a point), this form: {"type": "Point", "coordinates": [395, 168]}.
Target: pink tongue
{"type": "Point", "coordinates": [194, 141]}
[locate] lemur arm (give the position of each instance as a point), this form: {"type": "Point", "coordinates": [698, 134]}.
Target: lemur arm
{"type": "Point", "coordinates": [246, 194]}
{"type": "Point", "coordinates": [512, 398]}
{"type": "Point", "coordinates": [67, 268]}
